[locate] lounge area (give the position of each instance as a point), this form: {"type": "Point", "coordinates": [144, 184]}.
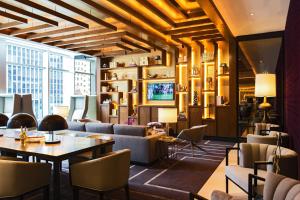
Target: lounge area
{"type": "Point", "coordinates": [149, 99]}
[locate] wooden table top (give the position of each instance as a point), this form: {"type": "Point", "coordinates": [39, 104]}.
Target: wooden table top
{"type": "Point", "coordinates": [68, 146]}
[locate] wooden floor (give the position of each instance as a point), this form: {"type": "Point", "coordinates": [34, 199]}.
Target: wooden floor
{"type": "Point", "coordinates": [217, 180]}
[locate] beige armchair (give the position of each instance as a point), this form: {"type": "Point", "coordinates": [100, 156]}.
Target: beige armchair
{"type": "Point", "coordinates": [270, 138]}
{"type": "Point", "coordinates": [258, 159]}
{"type": "Point", "coordinates": [276, 187]}
{"type": "Point", "coordinates": [19, 178]}
{"type": "Point", "coordinates": [103, 174]}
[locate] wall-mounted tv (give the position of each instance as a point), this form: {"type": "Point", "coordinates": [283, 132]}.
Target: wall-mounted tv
{"type": "Point", "coordinates": [160, 91]}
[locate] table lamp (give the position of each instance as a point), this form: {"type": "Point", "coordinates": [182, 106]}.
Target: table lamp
{"type": "Point", "coordinates": [167, 115]}
{"type": "Point", "coordinates": [265, 86]}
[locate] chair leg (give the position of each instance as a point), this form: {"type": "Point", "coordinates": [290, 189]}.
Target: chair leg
{"type": "Point", "coordinates": [227, 186]}
{"type": "Point", "coordinates": [46, 193]}
{"type": "Point", "coordinates": [127, 192]}
{"type": "Point", "coordinates": [75, 193]}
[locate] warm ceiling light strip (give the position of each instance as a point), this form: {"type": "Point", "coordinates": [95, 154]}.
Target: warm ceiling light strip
{"type": "Point", "coordinates": [30, 29]}
{"type": "Point", "coordinates": [84, 14]}
{"type": "Point", "coordinates": [195, 34]}
{"type": "Point", "coordinates": [193, 22]}
{"type": "Point", "coordinates": [14, 17]}
{"type": "Point", "coordinates": [205, 37]}
{"type": "Point", "coordinates": [189, 29]}
{"type": "Point", "coordinates": [27, 13]}
{"type": "Point", "coordinates": [54, 32]}
{"type": "Point", "coordinates": [52, 12]}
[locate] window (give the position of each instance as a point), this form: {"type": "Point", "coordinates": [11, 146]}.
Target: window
{"type": "Point", "coordinates": [83, 77]}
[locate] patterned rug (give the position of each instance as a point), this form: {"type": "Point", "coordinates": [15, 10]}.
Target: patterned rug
{"type": "Point", "coordinates": [165, 179]}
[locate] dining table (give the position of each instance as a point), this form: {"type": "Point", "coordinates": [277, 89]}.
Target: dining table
{"type": "Point", "coordinates": [70, 145]}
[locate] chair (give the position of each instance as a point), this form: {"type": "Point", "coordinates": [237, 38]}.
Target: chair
{"type": "Point", "coordinates": [276, 187]}
{"type": "Point", "coordinates": [103, 174]}
{"type": "Point", "coordinates": [91, 113]}
{"type": "Point", "coordinates": [3, 120]}
{"type": "Point", "coordinates": [19, 178]}
{"type": "Point", "coordinates": [21, 120]}
{"type": "Point", "coordinates": [257, 159]}
{"type": "Point", "coordinates": [271, 138]}
{"type": "Point", "coordinates": [265, 128]}
{"type": "Point", "coordinates": [27, 104]}
{"type": "Point", "coordinates": [78, 108]}
{"type": "Point", "coordinates": [193, 135]}
{"type": "Point", "coordinates": [10, 104]}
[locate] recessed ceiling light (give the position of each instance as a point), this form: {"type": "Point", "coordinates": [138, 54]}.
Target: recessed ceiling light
{"type": "Point", "coordinates": [251, 14]}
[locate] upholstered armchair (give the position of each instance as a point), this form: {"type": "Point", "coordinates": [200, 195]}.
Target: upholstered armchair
{"type": "Point", "coordinates": [103, 174]}
{"type": "Point", "coordinates": [193, 135]}
{"type": "Point", "coordinates": [271, 138]}
{"type": "Point", "coordinates": [257, 159]}
{"type": "Point", "coordinates": [19, 178]}
{"type": "Point", "coordinates": [78, 108]}
{"type": "Point", "coordinates": [276, 187]}
{"type": "Point", "coordinates": [10, 104]}
{"type": "Point", "coordinates": [265, 128]}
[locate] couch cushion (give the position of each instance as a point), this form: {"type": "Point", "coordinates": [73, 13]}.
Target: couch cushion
{"type": "Point", "coordinates": [239, 175]}
{"type": "Point", "coordinates": [95, 127]}
{"type": "Point", "coordinates": [120, 129]}
{"type": "Point", "coordinates": [76, 126]}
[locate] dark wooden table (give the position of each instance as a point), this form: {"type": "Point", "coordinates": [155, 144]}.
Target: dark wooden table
{"type": "Point", "coordinates": [56, 153]}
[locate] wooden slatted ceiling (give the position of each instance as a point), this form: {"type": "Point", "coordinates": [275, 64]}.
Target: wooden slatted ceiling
{"type": "Point", "coordinates": [138, 35]}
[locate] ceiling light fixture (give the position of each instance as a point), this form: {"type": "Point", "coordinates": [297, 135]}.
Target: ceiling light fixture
{"type": "Point", "coordinates": [252, 14]}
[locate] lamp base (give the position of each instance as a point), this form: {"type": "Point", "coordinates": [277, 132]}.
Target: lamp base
{"type": "Point", "coordinates": [52, 140]}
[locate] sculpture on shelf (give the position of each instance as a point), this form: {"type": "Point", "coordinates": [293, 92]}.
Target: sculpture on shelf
{"type": "Point", "coordinates": [209, 81]}
{"type": "Point", "coordinates": [195, 71]}
{"type": "Point", "coordinates": [224, 68]}
{"type": "Point", "coordinates": [114, 76]}
{"type": "Point", "coordinates": [195, 100]}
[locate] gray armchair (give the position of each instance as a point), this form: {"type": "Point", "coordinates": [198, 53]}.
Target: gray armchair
{"type": "Point", "coordinates": [193, 135]}
{"type": "Point", "coordinates": [78, 108]}
{"type": "Point", "coordinates": [92, 108]}
{"type": "Point", "coordinates": [258, 159]}
{"type": "Point", "coordinates": [103, 174]}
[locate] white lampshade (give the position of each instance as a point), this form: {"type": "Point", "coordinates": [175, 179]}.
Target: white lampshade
{"type": "Point", "coordinates": [265, 85]}
{"type": "Point", "coordinates": [167, 115]}
{"type": "Point", "coordinates": [61, 111]}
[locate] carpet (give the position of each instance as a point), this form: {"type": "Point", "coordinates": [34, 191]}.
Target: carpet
{"type": "Point", "coordinates": [165, 179]}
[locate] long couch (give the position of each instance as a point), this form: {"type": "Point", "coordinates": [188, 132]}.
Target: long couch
{"type": "Point", "coordinates": [145, 147]}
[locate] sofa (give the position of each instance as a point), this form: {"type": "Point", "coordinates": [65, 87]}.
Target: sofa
{"type": "Point", "coordinates": [145, 147]}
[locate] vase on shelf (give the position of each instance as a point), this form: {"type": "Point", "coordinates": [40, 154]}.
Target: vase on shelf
{"type": "Point", "coordinates": [195, 99]}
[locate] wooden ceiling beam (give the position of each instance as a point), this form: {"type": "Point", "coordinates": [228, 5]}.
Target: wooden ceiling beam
{"type": "Point", "coordinates": [196, 13]}
{"type": "Point", "coordinates": [157, 12]}
{"type": "Point", "coordinates": [98, 37]}
{"type": "Point", "coordinates": [9, 25]}
{"type": "Point", "coordinates": [189, 29]}
{"type": "Point", "coordinates": [179, 8]}
{"type": "Point", "coordinates": [206, 37]}
{"type": "Point", "coordinates": [54, 32]}
{"type": "Point", "coordinates": [84, 14]}
{"type": "Point", "coordinates": [116, 52]}
{"type": "Point", "coordinates": [76, 35]}
{"type": "Point", "coordinates": [96, 47]}
{"type": "Point", "coordinates": [123, 47]}
{"type": "Point", "coordinates": [27, 13]}
{"type": "Point", "coordinates": [126, 41]}
{"type": "Point", "coordinates": [52, 12]}
{"type": "Point", "coordinates": [136, 14]}
{"type": "Point", "coordinates": [14, 17]}
{"type": "Point", "coordinates": [195, 34]}
{"type": "Point", "coordinates": [30, 29]}
{"type": "Point", "coordinates": [129, 23]}
{"type": "Point", "coordinates": [193, 22]}
{"type": "Point", "coordinates": [135, 37]}
{"type": "Point", "coordinates": [88, 44]}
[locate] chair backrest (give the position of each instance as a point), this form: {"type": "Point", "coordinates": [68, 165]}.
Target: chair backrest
{"type": "Point", "coordinates": [3, 119]}
{"type": "Point", "coordinates": [17, 104]}
{"type": "Point", "coordinates": [78, 108]}
{"type": "Point", "coordinates": [278, 187]}
{"type": "Point", "coordinates": [195, 133]}
{"type": "Point", "coordinates": [53, 123]}
{"type": "Point", "coordinates": [92, 107]}
{"type": "Point", "coordinates": [288, 161]}
{"type": "Point", "coordinates": [21, 120]}
{"type": "Point", "coordinates": [264, 126]}
{"type": "Point", "coordinates": [27, 104]}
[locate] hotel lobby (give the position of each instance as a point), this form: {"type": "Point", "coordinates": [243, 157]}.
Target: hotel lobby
{"type": "Point", "coordinates": [149, 99]}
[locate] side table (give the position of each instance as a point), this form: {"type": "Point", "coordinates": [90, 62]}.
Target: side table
{"type": "Point", "coordinates": [171, 143]}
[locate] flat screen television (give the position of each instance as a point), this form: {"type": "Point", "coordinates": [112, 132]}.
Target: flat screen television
{"type": "Point", "coordinates": [160, 91]}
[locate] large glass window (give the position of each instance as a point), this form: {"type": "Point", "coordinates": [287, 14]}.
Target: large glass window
{"type": "Point", "coordinates": [83, 76]}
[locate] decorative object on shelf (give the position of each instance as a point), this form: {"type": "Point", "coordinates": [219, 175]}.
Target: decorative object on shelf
{"type": "Point", "coordinates": [181, 88]}
{"type": "Point", "coordinates": [265, 86]}
{"type": "Point", "coordinates": [104, 88]}
{"type": "Point", "coordinates": [224, 68]}
{"type": "Point", "coordinates": [209, 81]}
{"type": "Point", "coordinates": [157, 59]}
{"type": "Point", "coordinates": [195, 71]}
{"type": "Point", "coordinates": [104, 65]}
{"type": "Point", "coordinates": [112, 64]}
{"type": "Point", "coordinates": [208, 57]}
{"type": "Point", "coordinates": [167, 115]}
{"type": "Point", "coordinates": [220, 100]}
{"type": "Point", "coordinates": [152, 76]}
{"type": "Point", "coordinates": [195, 100]}
{"type": "Point", "coordinates": [144, 61]}
{"type": "Point", "coordinates": [182, 116]}
{"type": "Point", "coordinates": [132, 63]}
{"type": "Point", "coordinates": [107, 101]}
{"type": "Point", "coordinates": [120, 64]}
{"type": "Point", "coordinates": [23, 135]}
{"type": "Point", "coordinates": [114, 76]}
{"type": "Point", "coordinates": [106, 75]}
{"type": "Point", "coordinates": [123, 101]}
